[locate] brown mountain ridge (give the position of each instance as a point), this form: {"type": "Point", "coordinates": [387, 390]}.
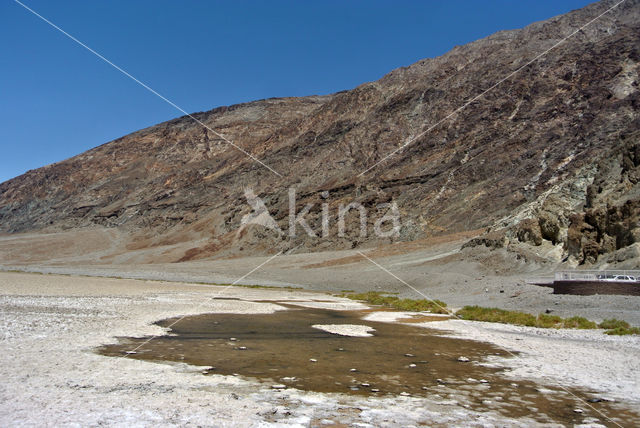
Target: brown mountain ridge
{"type": "Point", "coordinates": [549, 158]}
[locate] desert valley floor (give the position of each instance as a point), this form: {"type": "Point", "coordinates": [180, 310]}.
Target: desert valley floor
{"type": "Point", "coordinates": [54, 323]}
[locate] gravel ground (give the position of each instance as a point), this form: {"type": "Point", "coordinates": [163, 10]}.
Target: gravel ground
{"type": "Point", "coordinates": [491, 278]}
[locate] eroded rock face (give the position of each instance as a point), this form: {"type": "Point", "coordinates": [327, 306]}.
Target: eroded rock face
{"type": "Point", "coordinates": [549, 227]}
{"type": "Point", "coordinates": [582, 241]}
{"type": "Point", "coordinates": [610, 219]}
{"type": "Point", "coordinates": [493, 240]}
{"type": "Point", "coordinates": [597, 227]}
{"type": "Point", "coordinates": [603, 230]}
{"type": "Point", "coordinates": [529, 232]}
{"type": "Point", "coordinates": [630, 253]}
{"type": "Point", "coordinates": [556, 126]}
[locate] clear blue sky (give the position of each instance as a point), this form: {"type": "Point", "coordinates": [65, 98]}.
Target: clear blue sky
{"type": "Point", "coordinates": [58, 100]}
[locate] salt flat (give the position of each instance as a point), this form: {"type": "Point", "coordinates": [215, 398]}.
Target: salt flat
{"type": "Point", "coordinates": [52, 324]}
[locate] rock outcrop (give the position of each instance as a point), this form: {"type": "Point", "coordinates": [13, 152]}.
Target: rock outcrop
{"type": "Point", "coordinates": [592, 228]}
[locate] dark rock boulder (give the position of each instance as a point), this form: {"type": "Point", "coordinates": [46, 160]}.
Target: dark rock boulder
{"type": "Point", "coordinates": [549, 227]}
{"type": "Point", "coordinates": [529, 232]}
{"type": "Point", "coordinates": [492, 240]}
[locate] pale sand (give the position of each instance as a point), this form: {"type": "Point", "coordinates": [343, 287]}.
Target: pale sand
{"type": "Point", "coordinates": [51, 376]}
{"type": "Point", "coordinates": [351, 330]}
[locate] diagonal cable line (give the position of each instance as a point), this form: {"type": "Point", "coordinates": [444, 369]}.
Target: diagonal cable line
{"type": "Point", "coordinates": [453, 314]}
{"type": "Point", "coordinates": [492, 87]}
{"type": "Point", "coordinates": [149, 88]}
{"type": "Point", "coordinates": [133, 351]}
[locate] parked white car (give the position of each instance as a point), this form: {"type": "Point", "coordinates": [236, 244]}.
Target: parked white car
{"type": "Point", "coordinates": [622, 278]}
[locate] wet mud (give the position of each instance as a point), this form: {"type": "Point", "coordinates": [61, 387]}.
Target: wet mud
{"type": "Point", "coordinates": [285, 351]}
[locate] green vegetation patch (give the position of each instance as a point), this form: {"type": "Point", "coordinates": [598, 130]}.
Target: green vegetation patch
{"type": "Point", "coordinates": [503, 316]}
{"type": "Point", "coordinates": [621, 331]}
{"type": "Point", "coordinates": [616, 327]}
{"type": "Point", "coordinates": [422, 305]}
{"type": "Point", "coordinates": [611, 324]}
{"type": "Point", "coordinates": [579, 322]}
{"type": "Point", "coordinates": [478, 313]}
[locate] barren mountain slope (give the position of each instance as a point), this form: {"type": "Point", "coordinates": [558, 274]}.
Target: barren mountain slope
{"type": "Point", "coordinates": [525, 150]}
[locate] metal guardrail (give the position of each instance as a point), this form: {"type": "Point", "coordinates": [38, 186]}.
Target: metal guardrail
{"type": "Point", "coordinates": [597, 275]}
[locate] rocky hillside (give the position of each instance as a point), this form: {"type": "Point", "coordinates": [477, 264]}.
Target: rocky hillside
{"type": "Point", "coordinates": [548, 157]}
